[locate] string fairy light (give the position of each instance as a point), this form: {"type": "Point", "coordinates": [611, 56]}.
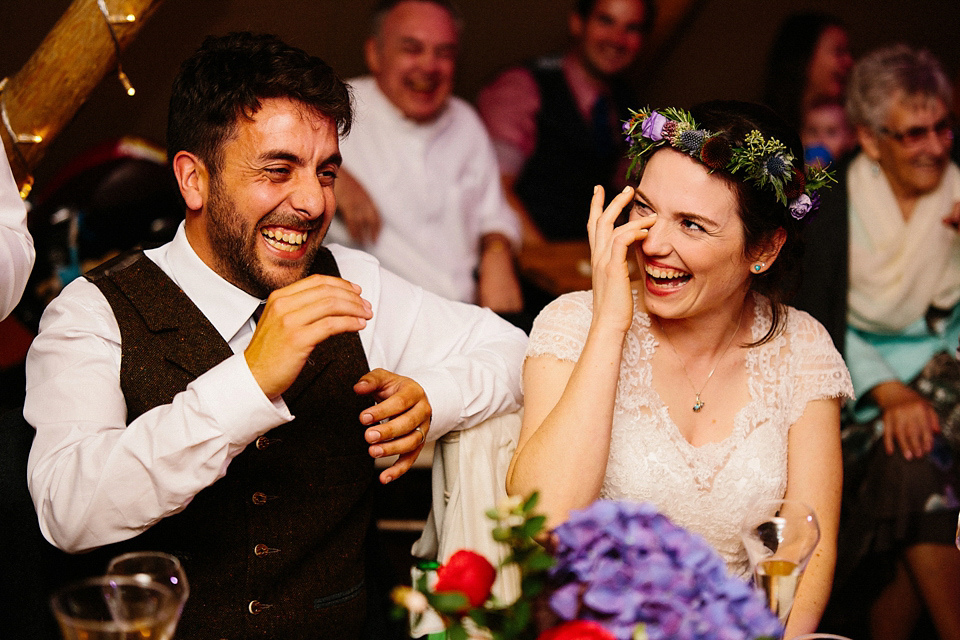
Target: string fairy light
{"type": "Point", "coordinates": [31, 138]}
{"type": "Point", "coordinates": [112, 19]}
{"type": "Point", "coordinates": [18, 139]}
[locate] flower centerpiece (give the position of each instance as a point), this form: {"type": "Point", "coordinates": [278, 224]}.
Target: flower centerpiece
{"type": "Point", "coordinates": [620, 571]}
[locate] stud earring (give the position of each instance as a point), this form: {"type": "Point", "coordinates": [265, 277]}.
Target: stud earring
{"type": "Point", "coordinates": [759, 267]}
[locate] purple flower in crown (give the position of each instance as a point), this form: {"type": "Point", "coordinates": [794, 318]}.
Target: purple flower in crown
{"type": "Point", "coordinates": [803, 204]}
{"type": "Point", "coordinates": [652, 126]}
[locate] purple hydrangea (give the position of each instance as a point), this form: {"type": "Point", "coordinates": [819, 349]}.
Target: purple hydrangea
{"type": "Point", "coordinates": [624, 564]}
{"type": "Point", "coordinates": [652, 126]}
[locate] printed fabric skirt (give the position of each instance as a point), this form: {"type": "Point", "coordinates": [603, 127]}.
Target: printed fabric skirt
{"type": "Point", "coordinates": [891, 503]}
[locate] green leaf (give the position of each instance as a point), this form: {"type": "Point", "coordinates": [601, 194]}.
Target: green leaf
{"type": "Point", "coordinates": [531, 502]}
{"type": "Point", "coordinates": [448, 601]}
{"type": "Point", "coordinates": [534, 525]}
{"type": "Point", "coordinates": [421, 585]}
{"type": "Point", "coordinates": [480, 616]}
{"type": "Point", "coordinates": [540, 562]}
{"type": "Point", "coordinates": [501, 535]}
{"type": "Point", "coordinates": [457, 632]}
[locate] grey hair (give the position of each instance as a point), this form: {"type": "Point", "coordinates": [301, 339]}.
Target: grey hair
{"type": "Point", "coordinates": [878, 78]}
{"type": "Point", "coordinates": [383, 7]}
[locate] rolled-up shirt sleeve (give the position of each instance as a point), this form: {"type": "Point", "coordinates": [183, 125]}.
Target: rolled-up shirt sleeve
{"type": "Point", "coordinates": [96, 479]}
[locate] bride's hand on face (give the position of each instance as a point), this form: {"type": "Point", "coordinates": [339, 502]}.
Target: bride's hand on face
{"type": "Point", "coordinates": [609, 248]}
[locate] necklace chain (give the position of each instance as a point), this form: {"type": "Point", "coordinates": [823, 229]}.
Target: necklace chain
{"type": "Point", "coordinates": [698, 403]}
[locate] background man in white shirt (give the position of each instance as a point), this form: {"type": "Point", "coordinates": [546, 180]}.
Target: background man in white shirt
{"type": "Point", "coordinates": [421, 190]}
{"type": "Point", "coordinates": [170, 414]}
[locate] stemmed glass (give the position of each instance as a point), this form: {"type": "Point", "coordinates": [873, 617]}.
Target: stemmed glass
{"type": "Point", "coordinates": [147, 566]}
{"type": "Point", "coordinates": [115, 608]}
{"type": "Point", "coordinates": [780, 537]}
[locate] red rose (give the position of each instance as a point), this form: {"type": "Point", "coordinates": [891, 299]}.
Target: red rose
{"type": "Point", "coordinates": [577, 630]}
{"type": "Point", "coordinates": [469, 573]}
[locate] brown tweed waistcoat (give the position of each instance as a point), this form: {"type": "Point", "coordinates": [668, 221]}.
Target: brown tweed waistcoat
{"type": "Point", "coordinates": [276, 548]}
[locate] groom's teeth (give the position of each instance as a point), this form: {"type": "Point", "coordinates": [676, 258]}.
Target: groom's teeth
{"type": "Point", "coordinates": [290, 241]}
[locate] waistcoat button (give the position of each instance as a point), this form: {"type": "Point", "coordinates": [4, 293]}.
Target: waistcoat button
{"type": "Point", "coordinates": [262, 442]}
{"type": "Point", "coordinates": [255, 607]}
{"type": "Point", "coordinates": [262, 550]}
{"type": "Point", "coordinates": [259, 498]}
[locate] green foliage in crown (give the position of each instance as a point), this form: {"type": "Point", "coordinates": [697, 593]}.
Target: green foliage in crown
{"type": "Point", "coordinates": [767, 164]}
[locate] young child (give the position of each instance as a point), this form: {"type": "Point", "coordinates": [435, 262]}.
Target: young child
{"type": "Point", "coordinates": [826, 132]}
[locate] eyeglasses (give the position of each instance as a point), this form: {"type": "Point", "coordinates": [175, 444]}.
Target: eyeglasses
{"type": "Point", "coordinates": [914, 136]}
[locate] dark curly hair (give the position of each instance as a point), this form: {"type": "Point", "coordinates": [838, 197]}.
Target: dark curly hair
{"type": "Point", "coordinates": [228, 76]}
{"type": "Point", "coordinates": [760, 211]}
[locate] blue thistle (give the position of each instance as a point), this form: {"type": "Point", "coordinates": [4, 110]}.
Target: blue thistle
{"type": "Point", "coordinates": [692, 140]}
{"type": "Point", "coordinates": [776, 165]}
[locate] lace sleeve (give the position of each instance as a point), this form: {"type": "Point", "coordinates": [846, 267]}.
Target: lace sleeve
{"type": "Point", "coordinates": [820, 372]}
{"type": "Point", "coordinates": [561, 328]}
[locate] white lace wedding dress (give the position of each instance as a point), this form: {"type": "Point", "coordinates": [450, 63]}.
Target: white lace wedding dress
{"type": "Point", "coordinates": [707, 489]}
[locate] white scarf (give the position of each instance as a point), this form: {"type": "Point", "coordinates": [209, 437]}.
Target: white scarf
{"type": "Point", "coordinates": [899, 268]}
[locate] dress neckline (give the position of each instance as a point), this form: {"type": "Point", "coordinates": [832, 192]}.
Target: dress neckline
{"type": "Point", "coordinates": [738, 432]}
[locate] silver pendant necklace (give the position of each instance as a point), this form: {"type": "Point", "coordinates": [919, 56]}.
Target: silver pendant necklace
{"type": "Point", "coordinates": [698, 403]}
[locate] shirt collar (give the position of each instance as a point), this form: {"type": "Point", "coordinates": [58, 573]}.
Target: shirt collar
{"type": "Point", "coordinates": [225, 306]}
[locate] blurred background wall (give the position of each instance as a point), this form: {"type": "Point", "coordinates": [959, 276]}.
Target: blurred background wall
{"type": "Point", "coordinates": [718, 48]}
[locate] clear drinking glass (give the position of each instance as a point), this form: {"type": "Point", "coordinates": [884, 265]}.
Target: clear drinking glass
{"type": "Point", "coordinates": [147, 566]}
{"type": "Point", "coordinates": [115, 608]}
{"type": "Point", "coordinates": [780, 536]}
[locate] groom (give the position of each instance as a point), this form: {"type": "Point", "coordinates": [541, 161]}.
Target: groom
{"type": "Point", "coordinates": [223, 397]}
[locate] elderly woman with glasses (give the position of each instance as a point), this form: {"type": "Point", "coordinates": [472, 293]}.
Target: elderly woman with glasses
{"type": "Point", "coordinates": [882, 272]}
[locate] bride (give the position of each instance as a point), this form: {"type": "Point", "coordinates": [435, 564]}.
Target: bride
{"type": "Point", "coordinates": [694, 388]}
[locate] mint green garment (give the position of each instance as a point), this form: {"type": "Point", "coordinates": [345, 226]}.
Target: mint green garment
{"type": "Point", "coordinates": [874, 357]}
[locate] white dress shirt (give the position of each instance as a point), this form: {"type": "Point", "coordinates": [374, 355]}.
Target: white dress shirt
{"type": "Point", "coordinates": [16, 245]}
{"type": "Point", "coordinates": [437, 188]}
{"type": "Point", "coordinates": [96, 480]}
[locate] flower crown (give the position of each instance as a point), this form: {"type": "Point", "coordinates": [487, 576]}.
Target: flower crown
{"type": "Point", "coordinates": [765, 163]}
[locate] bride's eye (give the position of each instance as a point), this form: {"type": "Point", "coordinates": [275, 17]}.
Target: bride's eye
{"type": "Point", "coordinates": [691, 225]}
{"type": "Point", "coordinates": [641, 208]}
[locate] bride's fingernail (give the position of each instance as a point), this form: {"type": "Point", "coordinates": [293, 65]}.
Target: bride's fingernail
{"type": "Point", "coordinates": [626, 189]}
{"type": "Point", "coordinates": [596, 188]}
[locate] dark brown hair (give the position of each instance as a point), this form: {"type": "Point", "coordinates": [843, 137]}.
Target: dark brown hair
{"type": "Point", "coordinates": [228, 76]}
{"type": "Point", "coordinates": [760, 211]}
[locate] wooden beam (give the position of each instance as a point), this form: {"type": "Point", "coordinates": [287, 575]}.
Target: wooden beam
{"type": "Point", "coordinates": [60, 75]}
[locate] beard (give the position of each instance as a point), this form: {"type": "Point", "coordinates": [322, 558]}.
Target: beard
{"type": "Point", "coordinates": [236, 252]}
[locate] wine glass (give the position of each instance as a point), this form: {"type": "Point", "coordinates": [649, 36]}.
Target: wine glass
{"type": "Point", "coordinates": [147, 566]}
{"type": "Point", "coordinates": [780, 536]}
{"type": "Point", "coordinates": [115, 608]}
